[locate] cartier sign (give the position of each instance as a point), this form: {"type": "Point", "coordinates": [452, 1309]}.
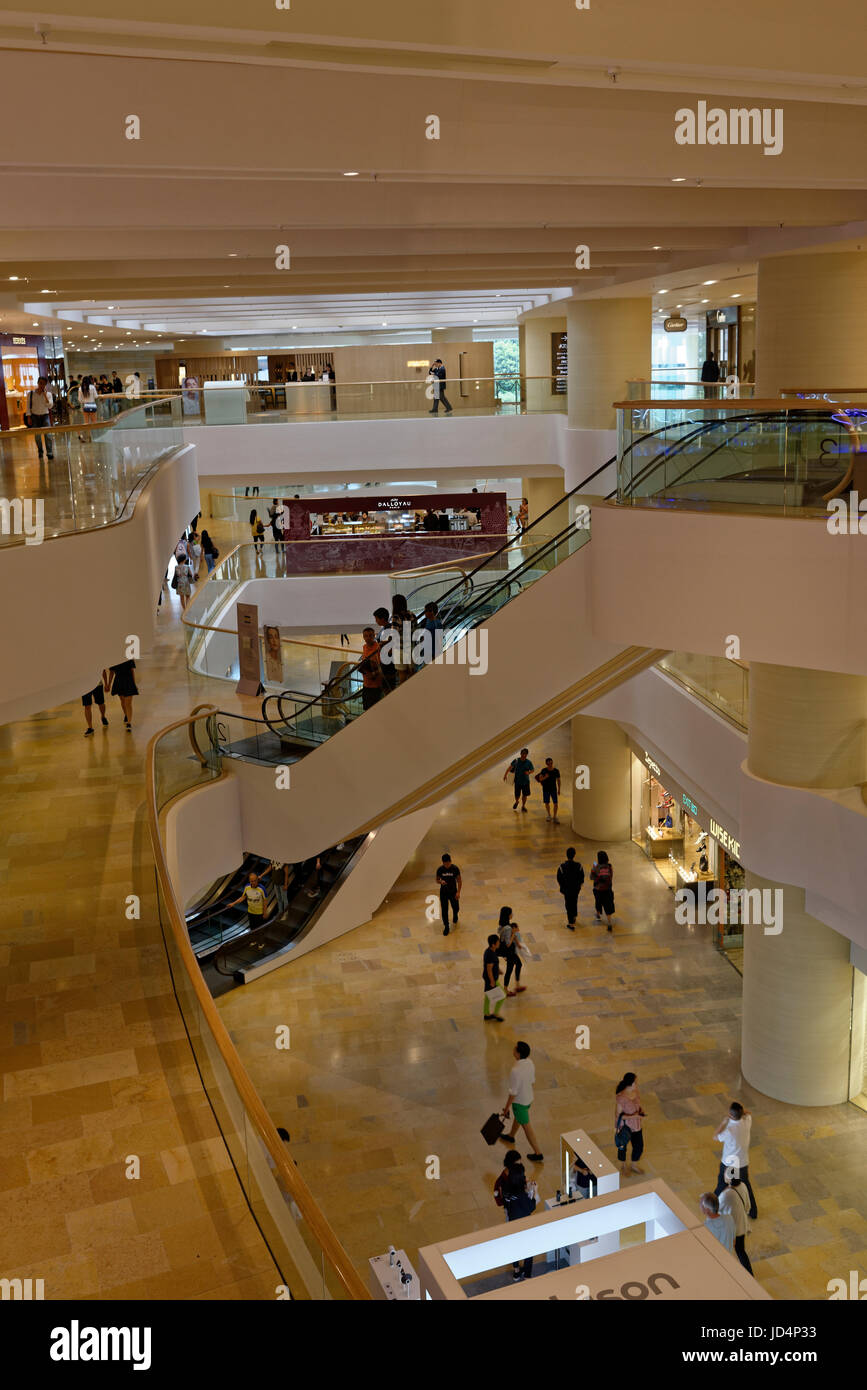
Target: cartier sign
{"type": "Point", "coordinates": [675, 324]}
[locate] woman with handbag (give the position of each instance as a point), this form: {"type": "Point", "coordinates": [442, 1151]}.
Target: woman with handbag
{"type": "Point", "coordinates": [512, 1157]}
{"type": "Point", "coordinates": [519, 1198]}
{"type": "Point", "coordinates": [210, 551]}
{"type": "Point", "coordinates": [628, 1115]}
{"type": "Point", "coordinates": [510, 945]}
{"type": "Point", "coordinates": [88, 399]}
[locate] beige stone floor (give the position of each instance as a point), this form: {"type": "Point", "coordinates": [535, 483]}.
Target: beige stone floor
{"type": "Point", "coordinates": [389, 1063]}
{"type": "Point", "coordinates": [94, 1060]}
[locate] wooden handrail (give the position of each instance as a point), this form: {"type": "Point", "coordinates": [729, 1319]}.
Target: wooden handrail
{"type": "Point", "coordinates": [255, 1110]}
{"type": "Point", "coordinates": [728, 403]}
{"type": "Point", "coordinates": [23, 432]}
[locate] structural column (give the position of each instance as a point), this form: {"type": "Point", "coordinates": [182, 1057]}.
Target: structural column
{"type": "Point", "coordinates": [600, 779]}
{"type": "Point", "coordinates": [542, 493]}
{"type": "Point", "coordinates": [609, 344]}
{"type": "Point", "coordinates": [811, 312]}
{"type": "Point", "coordinates": [807, 729]}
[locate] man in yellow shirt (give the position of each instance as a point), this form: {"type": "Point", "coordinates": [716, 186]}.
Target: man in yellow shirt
{"type": "Point", "coordinates": [257, 906]}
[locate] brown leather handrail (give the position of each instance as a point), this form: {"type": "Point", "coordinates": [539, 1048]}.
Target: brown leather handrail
{"type": "Point", "coordinates": [256, 1113]}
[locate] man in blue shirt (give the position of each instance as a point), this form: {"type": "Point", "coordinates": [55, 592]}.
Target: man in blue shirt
{"type": "Point", "coordinates": [720, 1224]}
{"type": "Point", "coordinates": [520, 767]}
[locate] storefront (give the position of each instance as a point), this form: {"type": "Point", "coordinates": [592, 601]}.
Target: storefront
{"type": "Point", "coordinates": [24, 358]}
{"type": "Point", "coordinates": [683, 840]}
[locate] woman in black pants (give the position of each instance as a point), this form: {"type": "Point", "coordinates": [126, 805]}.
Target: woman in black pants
{"type": "Point", "coordinates": [628, 1115]}
{"type": "Point", "coordinates": [509, 938]}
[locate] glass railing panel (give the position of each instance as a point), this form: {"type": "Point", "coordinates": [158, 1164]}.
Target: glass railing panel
{"type": "Point", "coordinates": [718, 681]}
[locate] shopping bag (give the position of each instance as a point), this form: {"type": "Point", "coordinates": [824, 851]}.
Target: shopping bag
{"type": "Point", "coordinates": [493, 1128]}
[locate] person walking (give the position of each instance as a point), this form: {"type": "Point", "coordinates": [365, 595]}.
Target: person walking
{"type": "Point", "coordinates": [549, 778]}
{"type": "Point", "coordinates": [570, 877]}
{"type": "Point", "coordinates": [719, 1223]}
{"type": "Point", "coordinates": [438, 372]}
{"type": "Point", "coordinates": [40, 403]}
{"type": "Point", "coordinates": [510, 943]}
{"type": "Point", "coordinates": [733, 1202]}
{"type": "Point", "coordinates": [519, 1199]}
{"type": "Point", "coordinates": [450, 884]}
{"type": "Point", "coordinates": [183, 582]}
{"type": "Point", "coordinates": [195, 553]}
{"type": "Point", "coordinates": [280, 879]}
{"type": "Point", "coordinates": [122, 684]}
{"type": "Point", "coordinates": [628, 1115]}
{"type": "Point", "coordinates": [371, 671]}
{"type": "Point", "coordinates": [96, 696]}
{"type": "Point", "coordinates": [602, 878]}
{"type": "Point", "coordinates": [709, 373]}
{"type": "Point", "coordinates": [275, 519]}
{"type": "Point", "coordinates": [494, 992]}
{"type": "Point", "coordinates": [254, 898]}
{"type": "Point", "coordinates": [88, 399]}
{"type": "Point", "coordinates": [257, 530]}
{"type": "Point", "coordinates": [210, 551]}
{"type": "Point", "coordinates": [520, 769]}
{"type": "Point", "coordinates": [388, 640]}
{"type": "Point", "coordinates": [522, 1078]}
{"type": "Point", "coordinates": [734, 1135]}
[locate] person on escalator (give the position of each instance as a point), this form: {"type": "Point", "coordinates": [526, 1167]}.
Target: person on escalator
{"type": "Point", "coordinates": [371, 672]}
{"type": "Point", "coordinates": [388, 641]}
{"type": "Point", "coordinates": [257, 906]}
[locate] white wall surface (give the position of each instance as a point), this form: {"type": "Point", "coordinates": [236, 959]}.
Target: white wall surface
{"type": "Point", "coordinates": [71, 603]}
{"type": "Point", "coordinates": [203, 838]}
{"type": "Point", "coordinates": [314, 602]}
{"type": "Point", "coordinates": [687, 581]}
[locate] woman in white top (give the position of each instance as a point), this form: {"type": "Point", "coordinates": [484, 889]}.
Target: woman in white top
{"type": "Point", "coordinates": [194, 550]}
{"type": "Point", "coordinates": [88, 398]}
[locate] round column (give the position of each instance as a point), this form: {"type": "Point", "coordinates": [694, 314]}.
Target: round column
{"type": "Point", "coordinates": [797, 1004]}
{"type": "Point", "coordinates": [600, 810]}
{"type": "Point", "coordinates": [609, 344]}
{"type": "Point", "coordinates": [807, 729]}
{"type": "Point", "coordinates": [810, 313]}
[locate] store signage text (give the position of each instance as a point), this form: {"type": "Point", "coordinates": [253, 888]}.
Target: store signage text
{"type": "Point", "coordinates": [675, 324]}
{"type": "Point", "coordinates": [20, 341]}
{"type": "Point", "coordinates": [654, 767]}
{"type": "Point", "coordinates": [728, 842]}
{"type": "Point", "coordinates": [690, 805]}
{"type": "Point", "coordinates": [393, 503]}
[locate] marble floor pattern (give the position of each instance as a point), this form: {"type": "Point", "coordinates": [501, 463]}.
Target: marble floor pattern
{"type": "Point", "coordinates": [390, 1061]}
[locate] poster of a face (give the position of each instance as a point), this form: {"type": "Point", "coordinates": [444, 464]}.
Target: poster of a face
{"type": "Point", "coordinates": [273, 655]}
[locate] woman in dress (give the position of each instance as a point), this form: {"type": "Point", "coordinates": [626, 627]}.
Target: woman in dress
{"type": "Point", "coordinates": [124, 687]}
{"type": "Point", "coordinates": [183, 582]}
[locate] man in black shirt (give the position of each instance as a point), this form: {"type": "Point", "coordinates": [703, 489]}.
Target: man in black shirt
{"type": "Point", "coordinates": [549, 778]}
{"type": "Point", "coordinates": [438, 371]}
{"type": "Point", "coordinates": [388, 638]}
{"type": "Point", "coordinates": [570, 877]}
{"type": "Point", "coordinates": [494, 992]}
{"type": "Point", "coordinates": [449, 880]}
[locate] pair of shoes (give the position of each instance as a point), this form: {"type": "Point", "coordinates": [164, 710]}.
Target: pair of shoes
{"type": "Point", "coordinates": [433, 412]}
{"type": "Point", "coordinates": [610, 928]}
{"type": "Point", "coordinates": [505, 1138]}
{"type": "Point", "coordinates": [524, 809]}
{"type": "Point", "coordinates": [445, 931]}
{"type": "Point", "coordinates": [520, 989]}
{"type": "Point", "coordinates": [515, 807]}
{"type": "Point", "coordinates": [570, 926]}
{"type": "Point", "coordinates": [450, 409]}
{"type": "Point", "coordinates": [87, 733]}
{"type": "Point", "coordinates": [536, 1158]}
{"type": "Point", "coordinates": [510, 993]}
{"type": "Point", "coordinates": [497, 1018]}
{"type": "Point", "coordinates": [556, 820]}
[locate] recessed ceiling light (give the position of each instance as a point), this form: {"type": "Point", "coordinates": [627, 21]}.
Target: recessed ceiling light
{"type": "Point", "coordinates": [705, 301]}
{"type": "Point", "coordinates": [662, 291]}
{"type": "Point", "coordinates": [656, 248]}
{"type": "Point", "coordinates": [45, 291]}
{"type": "Point", "coordinates": [350, 173]}
{"type": "Point", "coordinates": [111, 306]}
{"type": "Point", "coordinates": [678, 306]}
{"type": "Point", "coordinates": [678, 180]}
{"type": "Point", "coordinates": [385, 323]}
{"type": "Point", "coordinates": [233, 255]}
{"type": "Point", "coordinates": [735, 296]}
{"type": "Point", "coordinates": [13, 277]}
{"type": "Point", "coordinates": [34, 325]}
{"type": "Point", "coordinates": [709, 282]}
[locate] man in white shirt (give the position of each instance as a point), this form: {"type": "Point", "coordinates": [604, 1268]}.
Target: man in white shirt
{"type": "Point", "coordinates": [39, 404]}
{"type": "Point", "coordinates": [733, 1203]}
{"type": "Point", "coordinates": [521, 1079]}
{"type": "Point", "coordinates": [734, 1135]}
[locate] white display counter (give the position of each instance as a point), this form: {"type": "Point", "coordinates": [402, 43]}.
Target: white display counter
{"type": "Point", "coordinates": [592, 1232]}
{"type": "Point", "coordinates": [385, 1281]}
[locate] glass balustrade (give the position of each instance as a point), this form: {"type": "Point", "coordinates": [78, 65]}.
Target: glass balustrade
{"type": "Point", "coordinates": [717, 681]}
{"type": "Point", "coordinates": [776, 456]}
{"type": "Point", "coordinates": [309, 1262]}
{"type": "Point", "coordinates": [87, 475]}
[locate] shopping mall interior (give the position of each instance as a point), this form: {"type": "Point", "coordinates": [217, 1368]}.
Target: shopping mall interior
{"type": "Point", "coordinates": [523, 308]}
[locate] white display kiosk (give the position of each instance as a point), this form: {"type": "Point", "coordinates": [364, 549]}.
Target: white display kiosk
{"type": "Point", "coordinates": [592, 1231]}
{"type": "Point", "coordinates": [386, 1283]}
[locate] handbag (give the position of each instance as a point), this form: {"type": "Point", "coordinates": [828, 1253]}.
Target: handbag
{"type": "Point", "coordinates": [622, 1132]}
{"type": "Point", "coordinates": [493, 1128]}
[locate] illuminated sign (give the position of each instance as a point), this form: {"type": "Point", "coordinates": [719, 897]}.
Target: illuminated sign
{"type": "Point", "coordinates": [675, 324]}
{"type": "Point", "coordinates": [690, 805]}
{"type": "Point", "coordinates": [654, 767]}
{"type": "Point", "coordinates": [22, 341]}
{"type": "Point", "coordinates": [728, 842]}
{"type": "Point", "coordinates": [417, 364]}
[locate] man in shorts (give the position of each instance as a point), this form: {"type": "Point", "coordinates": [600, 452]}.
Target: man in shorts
{"type": "Point", "coordinates": [520, 768]}
{"type": "Point", "coordinates": [549, 778]}
{"type": "Point", "coordinates": [521, 1079]}
{"type": "Point", "coordinates": [94, 697]}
